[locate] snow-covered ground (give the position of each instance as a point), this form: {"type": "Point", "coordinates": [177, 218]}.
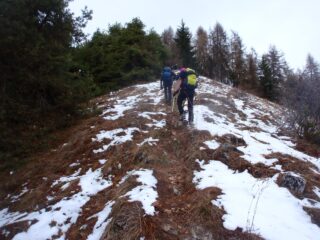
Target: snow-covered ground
{"type": "Point", "coordinates": [256, 205]}
{"type": "Point", "coordinates": [62, 214]}
{"type": "Point", "coordinates": [146, 192]}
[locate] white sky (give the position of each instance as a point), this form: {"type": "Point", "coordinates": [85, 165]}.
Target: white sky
{"type": "Point", "coordinates": [290, 25]}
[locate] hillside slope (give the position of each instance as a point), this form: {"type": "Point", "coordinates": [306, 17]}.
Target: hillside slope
{"type": "Point", "coordinates": [135, 172]}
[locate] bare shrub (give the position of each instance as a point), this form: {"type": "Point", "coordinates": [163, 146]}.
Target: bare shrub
{"type": "Point", "coordinates": [302, 97]}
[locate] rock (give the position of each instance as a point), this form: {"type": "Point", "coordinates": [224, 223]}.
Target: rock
{"type": "Point", "coordinates": [293, 182]}
{"type": "Point", "coordinates": [232, 139]}
{"type": "Point", "coordinates": [226, 147]}
{"type": "Point", "coordinates": [176, 191]}
{"type": "Point", "coordinates": [198, 232]}
{"type": "Point", "coordinates": [169, 229]}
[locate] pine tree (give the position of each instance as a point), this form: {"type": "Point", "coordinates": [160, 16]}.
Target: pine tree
{"type": "Point", "coordinates": [276, 65]}
{"type": "Point", "coordinates": [219, 54]}
{"type": "Point", "coordinates": [236, 60]}
{"type": "Point", "coordinates": [312, 71]}
{"type": "Point", "coordinates": [38, 81]}
{"type": "Point", "coordinates": [265, 77]}
{"type": "Point", "coordinates": [183, 41]}
{"type": "Point", "coordinates": [251, 80]}
{"type": "Point", "coordinates": [271, 86]}
{"type": "Point", "coordinates": [201, 51]}
{"type": "Point", "coordinates": [123, 55]}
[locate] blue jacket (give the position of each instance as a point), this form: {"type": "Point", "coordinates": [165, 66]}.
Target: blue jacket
{"type": "Point", "coordinates": [167, 76]}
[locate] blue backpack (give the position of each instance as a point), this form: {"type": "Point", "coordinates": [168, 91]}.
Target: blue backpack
{"type": "Point", "coordinates": [166, 74]}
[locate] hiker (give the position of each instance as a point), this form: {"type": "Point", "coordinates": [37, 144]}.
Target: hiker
{"type": "Point", "coordinates": [175, 71]}
{"type": "Point", "coordinates": [166, 83]}
{"type": "Point", "coordinates": [186, 92]}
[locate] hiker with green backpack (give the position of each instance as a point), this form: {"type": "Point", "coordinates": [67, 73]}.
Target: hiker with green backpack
{"type": "Point", "coordinates": [186, 92]}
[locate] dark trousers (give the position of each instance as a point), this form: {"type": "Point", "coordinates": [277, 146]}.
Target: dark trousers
{"type": "Point", "coordinates": [186, 95]}
{"type": "Point", "coordinates": [167, 92]}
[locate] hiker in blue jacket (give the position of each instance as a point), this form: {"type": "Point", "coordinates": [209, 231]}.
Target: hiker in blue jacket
{"type": "Point", "coordinates": [186, 92]}
{"type": "Point", "coordinates": [166, 83]}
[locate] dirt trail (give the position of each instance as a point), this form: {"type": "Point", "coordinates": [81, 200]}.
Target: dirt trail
{"type": "Point", "coordinates": [183, 211]}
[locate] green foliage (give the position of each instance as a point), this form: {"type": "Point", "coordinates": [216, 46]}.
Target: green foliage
{"type": "Point", "coordinates": [265, 78]}
{"type": "Point", "coordinates": [183, 42]}
{"type": "Point", "coordinates": [272, 74]}
{"type": "Point", "coordinates": [40, 89]}
{"type": "Point", "coordinates": [123, 55]}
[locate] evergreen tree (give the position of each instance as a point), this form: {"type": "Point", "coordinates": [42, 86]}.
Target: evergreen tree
{"type": "Point", "coordinates": [271, 86]}
{"type": "Point", "coordinates": [38, 83]}
{"type": "Point", "coordinates": [183, 42]}
{"type": "Point", "coordinates": [277, 66]}
{"type": "Point", "coordinates": [201, 51]}
{"type": "Point", "coordinates": [251, 80]}
{"type": "Point", "coordinates": [265, 77]}
{"type": "Point", "coordinates": [311, 71]}
{"type": "Point", "coordinates": [123, 55]}
{"type": "Point", "coordinates": [219, 54]}
{"type": "Point", "coordinates": [236, 61]}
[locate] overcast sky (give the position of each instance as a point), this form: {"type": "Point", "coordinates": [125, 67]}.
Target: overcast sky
{"type": "Point", "coordinates": [290, 25]}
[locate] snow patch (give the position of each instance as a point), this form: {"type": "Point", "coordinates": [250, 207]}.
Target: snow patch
{"type": "Point", "coordinates": [316, 190]}
{"type": "Point", "coordinates": [15, 198]}
{"type": "Point", "coordinates": [146, 192]}
{"type": "Point", "coordinates": [259, 144]}
{"type": "Point", "coordinates": [67, 179]}
{"type": "Point", "coordinates": [157, 124]}
{"type": "Point", "coordinates": [102, 161]}
{"type": "Point", "coordinates": [74, 164]}
{"type": "Point", "coordinates": [120, 107]}
{"type": "Point", "coordinates": [278, 167]}
{"type": "Point", "coordinates": [152, 92]}
{"type": "Point", "coordinates": [151, 141]}
{"type": "Point", "coordinates": [255, 205]}
{"type": "Point", "coordinates": [212, 144]}
{"type": "Point", "coordinates": [113, 135]}
{"type": "Point", "coordinates": [148, 114]}
{"type": "Point", "coordinates": [64, 213]}
{"type": "Point", "coordinates": [102, 222]}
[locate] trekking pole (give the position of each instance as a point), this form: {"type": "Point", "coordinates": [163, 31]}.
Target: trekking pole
{"type": "Point", "coordinates": [174, 100]}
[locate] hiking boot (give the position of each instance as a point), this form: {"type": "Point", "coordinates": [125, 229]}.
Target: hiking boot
{"type": "Point", "coordinates": [183, 117]}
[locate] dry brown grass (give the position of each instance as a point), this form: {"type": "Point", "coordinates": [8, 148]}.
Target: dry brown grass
{"type": "Point", "coordinates": [126, 221]}
{"type": "Point", "coordinates": [308, 148]}
{"type": "Point", "coordinates": [314, 213]}
{"type": "Point", "coordinates": [183, 212]}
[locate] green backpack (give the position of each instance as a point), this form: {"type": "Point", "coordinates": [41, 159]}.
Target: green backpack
{"type": "Point", "coordinates": [191, 78]}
